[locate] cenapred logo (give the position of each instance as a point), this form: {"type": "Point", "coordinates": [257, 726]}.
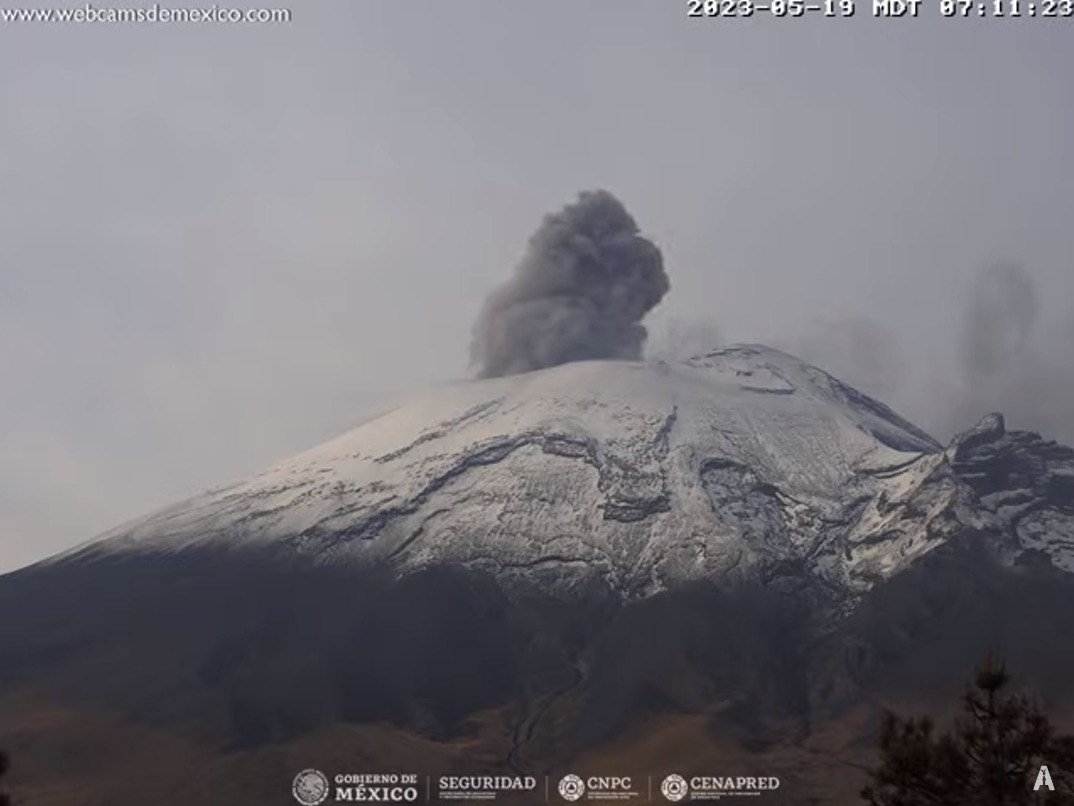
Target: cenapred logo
{"type": "Point", "coordinates": [310, 787]}
{"type": "Point", "coordinates": [714, 787]}
{"type": "Point", "coordinates": [674, 788]}
{"type": "Point", "coordinates": [571, 787]}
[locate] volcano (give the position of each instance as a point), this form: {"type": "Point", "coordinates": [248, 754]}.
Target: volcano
{"type": "Point", "coordinates": [726, 565]}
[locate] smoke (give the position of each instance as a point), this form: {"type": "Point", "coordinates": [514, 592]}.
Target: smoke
{"type": "Point", "coordinates": [1006, 359]}
{"type": "Point", "coordinates": [674, 338]}
{"type": "Point", "coordinates": [584, 284]}
{"type": "Point", "coordinates": [588, 278]}
{"type": "Point", "coordinates": [1010, 360]}
{"type": "Point", "coordinates": [999, 323]}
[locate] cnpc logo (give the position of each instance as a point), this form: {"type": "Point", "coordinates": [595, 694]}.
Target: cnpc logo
{"type": "Point", "coordinates": [600, 787]}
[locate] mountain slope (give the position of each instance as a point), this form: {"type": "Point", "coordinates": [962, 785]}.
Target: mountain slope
{"type": "Point", "coordinates": [648, 475]}
{"type": "Point", "coordinates": [550, 570]}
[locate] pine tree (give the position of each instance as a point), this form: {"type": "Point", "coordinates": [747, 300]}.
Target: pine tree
{"type": "Point", "coordinates": [992, 757]}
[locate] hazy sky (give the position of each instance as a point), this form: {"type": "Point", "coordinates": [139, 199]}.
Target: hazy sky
{"type": "Point", "coordinates": [222, 244]}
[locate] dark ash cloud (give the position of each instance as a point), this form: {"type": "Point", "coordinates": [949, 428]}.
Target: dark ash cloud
{"type": "Point", "coordinates": [583, 286]}
{"type": "Point", "coordinates": [1011, 361]}
{"type": "Point", "coordinates": [1007, 359]}
{"type": "Point", "coordinates": [999, 325]}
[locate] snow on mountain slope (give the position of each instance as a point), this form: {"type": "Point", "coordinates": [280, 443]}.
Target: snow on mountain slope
{"type": "Point", "coordinates": [647, 475]}
{"type": "Point", "coordinates": [1023, 481]}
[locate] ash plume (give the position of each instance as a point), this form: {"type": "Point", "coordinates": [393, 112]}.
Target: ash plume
{"type": "Point", "coordinates": [1011, 361]}
{"type": "Point", "coordinates": [1007, 359]}
{"type": "Point", "coordinates": [580, 291]}
{"type": "Point", "coordinates": [1000, 319]}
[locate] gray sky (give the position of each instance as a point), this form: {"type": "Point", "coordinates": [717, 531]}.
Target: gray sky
{"type": "Point", "coordinates": [222, 244]}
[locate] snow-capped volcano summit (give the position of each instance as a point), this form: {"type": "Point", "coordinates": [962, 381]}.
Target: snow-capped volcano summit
{"type": "Point", "coordinates": [736, 554]}
{"type": "Point", "coordinates": [645, 475]}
